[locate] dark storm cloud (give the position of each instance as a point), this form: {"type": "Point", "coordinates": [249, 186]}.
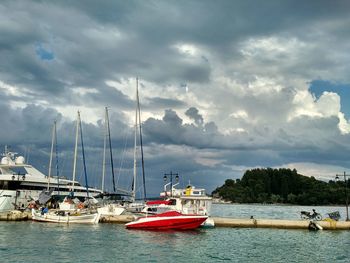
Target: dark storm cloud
{"type": "Point", "coordinates": [193, 114]}
{"type": "Point", "coordinates": [295, 142]}
{"type": "Point", "coordinates": [62, 54]}
{"type": "Point", "coordinates": [28, 125]}
{"type": "Point", "coordinates": [157, 102]}
{"type": "Point", "coordinates": [83, 58]}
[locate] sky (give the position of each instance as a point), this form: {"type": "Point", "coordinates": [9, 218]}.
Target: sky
{"type": "Point", "coordinates": [224, 86]}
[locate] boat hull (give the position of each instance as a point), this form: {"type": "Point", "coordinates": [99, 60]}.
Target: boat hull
{"type": "Point", "coordinates": [111, 210]}
{"type": "Point", "coordinates": [177, 222]}
{"type": "Point", "coordinates": [65, 218]}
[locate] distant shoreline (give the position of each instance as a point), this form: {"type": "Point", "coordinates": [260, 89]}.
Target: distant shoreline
{"type": "Point", "coordinates": [268, 204]}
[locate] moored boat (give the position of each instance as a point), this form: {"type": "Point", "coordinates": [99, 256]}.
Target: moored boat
{"type": "Point", "coordinates": [21, 183]}
{"type": "Point", "coordinates": [168, 220]}
{"type": "Point", "coordinates": [111, 210]}
{"type": "Point", "coordinates": [60, 216]}
{"type": "Point", "coordinates": [190, 200]}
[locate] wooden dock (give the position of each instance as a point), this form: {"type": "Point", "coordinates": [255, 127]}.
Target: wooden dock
{"type": "Point", "coordinates": [219, 221]}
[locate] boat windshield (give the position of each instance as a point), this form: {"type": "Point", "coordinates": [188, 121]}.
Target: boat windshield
{"type": "Point", "coordinates": [14, 170]}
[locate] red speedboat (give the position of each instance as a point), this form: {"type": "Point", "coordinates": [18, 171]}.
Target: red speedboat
{"type": "Point", "coordinates": [168, 220]}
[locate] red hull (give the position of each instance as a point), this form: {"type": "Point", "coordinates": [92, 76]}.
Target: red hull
{"type": "Point", "coordinates": [168, 220]}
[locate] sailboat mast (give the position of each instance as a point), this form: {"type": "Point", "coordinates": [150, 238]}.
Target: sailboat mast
{"type": "Point", "coordinates": [84, 163]}
{"type": "Point", "coordinates": [141, 145]}
{"type": "Point", "coordinates": [133, 193]}
{"type": "Point", "coordinates": [75, 150]}
{"type": "Point", "coordinates": [57, 173]}
{"type": "Point", "coordinates": [110, 149]}
{"type": "Point", "coordinates": [104, 152]}
{"type": "Point", "coordinates": [51, 154]}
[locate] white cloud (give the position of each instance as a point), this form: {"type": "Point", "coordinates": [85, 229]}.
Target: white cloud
{"type": "Point", "coordinates": [240, 114]}
{"type": "Point", "coordinates": [344, 125]}
{"type": "Point", "coordinates": [10, 90]}
{"type": "Point", "coordinates": [187, 49]}
{"type": "Point", "coordinates": [270, 46]}
{"type": "Point", "coordinates": [83, 91]}
{"type": "Point", "coordinates": [321, 171]}
{"type": "Point", "coordinates": [262, 85]}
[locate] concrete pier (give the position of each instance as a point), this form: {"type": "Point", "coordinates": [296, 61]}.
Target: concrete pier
{"type": "Point", "coordinates": [219, 221]}
{"type": "Point", "coordinates": [251, 223]}
{"type": "Point", "coordinates": [277, 223]}
{"type": "Point", "coordinates": [122, 219]}
{"type": "Point", "coordinates": [15, 216]}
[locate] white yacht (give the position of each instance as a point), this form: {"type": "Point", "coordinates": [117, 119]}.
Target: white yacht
{"type": "Point", "coordinates": [21, 183]}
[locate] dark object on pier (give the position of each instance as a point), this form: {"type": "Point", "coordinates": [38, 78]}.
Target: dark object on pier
{"type": "Point", "coordinates": [314, 226]}
{"type": "Point", "coordinates": [334, 215]}
{"type": "Point", "coordinates": [314, 215]}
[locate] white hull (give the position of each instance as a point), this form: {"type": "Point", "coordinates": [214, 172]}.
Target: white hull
{"type": "Point", "coordinates": [111, 210]}
{"type": "Point", "coordinates": [168, 220]}
{"type": "Point", "coordinates": [134, 207]}
{"type": "Point", "coordinates": [209, 223]}
{"type": "Point", "coordinates": [51, 217]}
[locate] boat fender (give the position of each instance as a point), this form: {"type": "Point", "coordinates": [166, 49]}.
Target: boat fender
{"type": "Point", "coordinates": [313, 226]}
{"type": "Point", "coordinates": [318, 226]}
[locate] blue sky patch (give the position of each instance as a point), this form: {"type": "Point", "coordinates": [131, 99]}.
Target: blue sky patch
{"type": "Point", "coordinates": [42, 53]}
{"type": "Point", "coordinates": [317, 87]}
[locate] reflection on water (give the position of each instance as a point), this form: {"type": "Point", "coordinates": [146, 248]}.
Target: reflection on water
{"type": "Point", "coordinates": [163, 237]}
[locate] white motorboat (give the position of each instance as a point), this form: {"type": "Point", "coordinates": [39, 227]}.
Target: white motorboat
{"type": "Point", "coordinates": [168, 220]}
{"type": "Point", "coordinates": [190, 200]}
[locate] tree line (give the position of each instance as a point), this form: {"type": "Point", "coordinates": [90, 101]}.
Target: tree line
{"type": "Point", "coordinates": [269, 185]}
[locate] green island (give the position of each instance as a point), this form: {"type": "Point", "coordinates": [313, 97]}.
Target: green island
{"type": "Point", "coordinates": [285, 186]}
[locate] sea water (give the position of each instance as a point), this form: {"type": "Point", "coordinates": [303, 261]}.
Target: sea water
{"type": "Point", "coordinates": [45, 242]}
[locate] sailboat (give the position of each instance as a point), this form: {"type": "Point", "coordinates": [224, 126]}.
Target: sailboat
{"type": "Point", "coordinates": [111, 209]}
{"type": "Point", "coordinates": [134, 206]}
{"type": "Point", "coordinates": [69, 211]}
{"type": "Point", "coordinates": [68, 204]}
